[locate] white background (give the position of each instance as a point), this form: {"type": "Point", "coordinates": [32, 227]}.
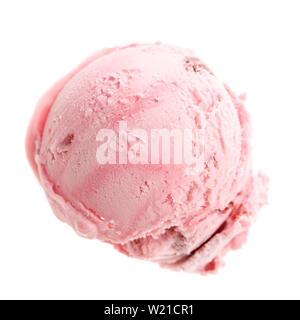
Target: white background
{"type": "Point", "coordinates": [251, 45]}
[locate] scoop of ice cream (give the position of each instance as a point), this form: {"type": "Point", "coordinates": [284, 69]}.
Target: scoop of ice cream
{"type": "Point", "coordinates": [179, 215]}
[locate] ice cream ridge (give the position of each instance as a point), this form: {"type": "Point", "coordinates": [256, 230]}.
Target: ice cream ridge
{"type": "Point", "coordinates": [93, 143]}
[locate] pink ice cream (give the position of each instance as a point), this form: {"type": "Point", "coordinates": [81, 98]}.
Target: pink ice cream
{"type": "Point", "coordinates": [154, 212]}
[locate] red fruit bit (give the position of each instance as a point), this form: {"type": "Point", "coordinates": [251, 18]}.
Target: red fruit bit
{"type": "Point", "coordinates": [196, 65]}
{"type": "Point", "coordinates": [68, 139]}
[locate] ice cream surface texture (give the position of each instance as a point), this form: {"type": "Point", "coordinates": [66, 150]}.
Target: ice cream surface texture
{"type": "Point", "coordinates": [157, 212]}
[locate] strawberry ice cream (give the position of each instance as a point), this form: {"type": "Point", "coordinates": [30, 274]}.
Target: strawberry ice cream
{"type": "Point", "coordinates": [157, 212]}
